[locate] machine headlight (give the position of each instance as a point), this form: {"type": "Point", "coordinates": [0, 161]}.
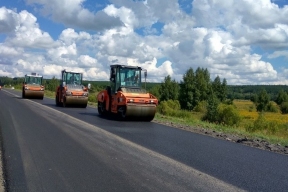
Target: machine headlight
{"type": "Point", "coordinates": [41, 89]}
{"type": "Point", "coordinates": [130, 100]}
{"type": "Point", "coordinates": [68, 93]}
{"type": "Point", "coordinates": [151, 101]}
{"type": "Point", "coordinates": [85, 94]}
{"type": "Point", "coordinates": [27, 88]}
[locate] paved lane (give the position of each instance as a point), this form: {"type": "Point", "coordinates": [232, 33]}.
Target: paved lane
{"type": "Point", "coordinates": [247, 168]}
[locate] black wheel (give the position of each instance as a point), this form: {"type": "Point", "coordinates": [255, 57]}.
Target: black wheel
{"type": "Point", "coordinates": [149, 118]}
{"type": "Point", "coordinates": [122, 113]}
{"type": "Point", "coordinates": [23, 94]}
{"type": "Point", "coordinates": [57, 100]}
{"type": "Point", "coordinates": [64, 103]}
{"type": "Point", "coordinates": [101, 108]}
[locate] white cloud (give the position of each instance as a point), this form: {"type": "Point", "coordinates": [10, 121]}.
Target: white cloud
{"type": "Point", "coordinates": [219, 35]}
{"type": "Point", "coordinates": [23, 30]}
{"type": "Point", "coordinates": [8, 20]}
{"type": "Point", "coordinates": [72, 14]}
{"type": "Point", "coordinates": [278, 54]}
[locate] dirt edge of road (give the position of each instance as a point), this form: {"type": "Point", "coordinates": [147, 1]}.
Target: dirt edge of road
{"type": "Point", "coordinates": [257, 143]}
{"type": "Point", "coordinates": [2, 172]}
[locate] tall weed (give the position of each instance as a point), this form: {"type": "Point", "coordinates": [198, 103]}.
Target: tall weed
{"type": "Point", "coordinates": [263, 125]}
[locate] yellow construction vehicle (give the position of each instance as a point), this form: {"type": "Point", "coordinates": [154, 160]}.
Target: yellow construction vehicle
{"type": "Point", "coordinates": [71, 91]}
{"type": "Point", "coordinates": [33, 86]}
{"type": "Point", "coordinates": [125, 96]}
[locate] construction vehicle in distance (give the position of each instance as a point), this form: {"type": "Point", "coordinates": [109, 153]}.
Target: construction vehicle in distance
{"type": "Point", "coordinates": [33, 86]}
{"type": "Point", "coordinates": [125, 96]}
{"type": "Point", "coordinates": [71, 91]}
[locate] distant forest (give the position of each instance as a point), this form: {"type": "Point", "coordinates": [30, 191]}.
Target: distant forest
{"type": "Point", "coordinates": [233, 91]}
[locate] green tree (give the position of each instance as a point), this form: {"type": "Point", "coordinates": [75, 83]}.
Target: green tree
{"type": "Point", "coordinates": [263, 100]}
{"type": "Point", "coordinates": [202, 85]}
{"type": "Point", "coordinates": [284, 107]}
{"type": "Point", "coordinates": [282, 97]}
{"type": "Point", "coordinates": [187, 90]}
{"type": "Point", "coordinates": [219, 89]}
{"type": "Point", "coordinates": [169, 89]}
{"type": "Point", "coordinates": [155, 91]}
{"type": "Point", "coordinates": [223, 91]}
{"type": "Point", "coordinates": [212, 109]}
{"type": "Point", "coordinates": [254, 98]}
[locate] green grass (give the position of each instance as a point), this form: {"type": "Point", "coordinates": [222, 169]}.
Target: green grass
{"type": "Point", "coordinates": [196, 122]}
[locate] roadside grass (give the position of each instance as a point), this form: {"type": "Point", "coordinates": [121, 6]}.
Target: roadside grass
{"type": "Point", "coordinates": [274, 128]}
{"type": "Point", "coordinates": [49, 94]}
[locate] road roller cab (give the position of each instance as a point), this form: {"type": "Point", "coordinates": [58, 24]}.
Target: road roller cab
{"type": "Point", "coordinates": [33, 86]}
{"type": "Point", "coordinates": [125, 95]}
{"type": "Point", "coordinates": [71, 91]}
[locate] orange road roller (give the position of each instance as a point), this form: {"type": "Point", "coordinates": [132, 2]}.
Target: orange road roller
{"type": "Point", "coordinates": [71, 91]}
{"type": "Point", "coordinates": [33, 86]}
{"type": "Point", "coordinates": [125, 96]}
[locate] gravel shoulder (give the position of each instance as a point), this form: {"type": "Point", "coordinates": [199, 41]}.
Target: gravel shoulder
{"type": "Point", "coordinates": [257, 143]}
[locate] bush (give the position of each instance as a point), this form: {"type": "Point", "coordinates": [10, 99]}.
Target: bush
{"type": "Point", "coordinates": [201, 107]}
{"type": "Point", "coordinates": [272, 108]}
{"type": "Point", "coordinates": [228, 115]}
{"type": "Point", "coordinates": [261, 124]}
{"type": "Point", "coordinates": [212, 113]}
{"type": "Point", "coordinates": [170, 104]}
{"type": "Point", "coordinates": [284, 107]}
{"type": "Point", "coordinates": [172, 108]}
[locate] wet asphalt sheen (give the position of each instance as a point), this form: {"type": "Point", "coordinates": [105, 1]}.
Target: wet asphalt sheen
{"type": "Point", "coordinates": [50, 148]}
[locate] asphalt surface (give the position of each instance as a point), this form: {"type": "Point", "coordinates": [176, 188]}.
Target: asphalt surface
{"type": "Point", "coordinates": [49, 148]}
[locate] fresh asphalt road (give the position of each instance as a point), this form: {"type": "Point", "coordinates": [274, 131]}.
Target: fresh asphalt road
{"type": "Point", "coordinates": [49, 148]}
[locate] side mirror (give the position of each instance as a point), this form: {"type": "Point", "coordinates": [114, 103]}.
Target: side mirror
{"type": "Point", "coordinates": [89, 86]}
{"type": "Point", "coordinates": [64, 83]}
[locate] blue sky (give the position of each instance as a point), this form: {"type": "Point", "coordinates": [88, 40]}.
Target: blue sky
{"type": "Point", "coordinates": [243, 41]}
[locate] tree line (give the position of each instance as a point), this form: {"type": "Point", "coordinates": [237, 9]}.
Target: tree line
{"type": "Point", "coordinates": [195, 92]}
